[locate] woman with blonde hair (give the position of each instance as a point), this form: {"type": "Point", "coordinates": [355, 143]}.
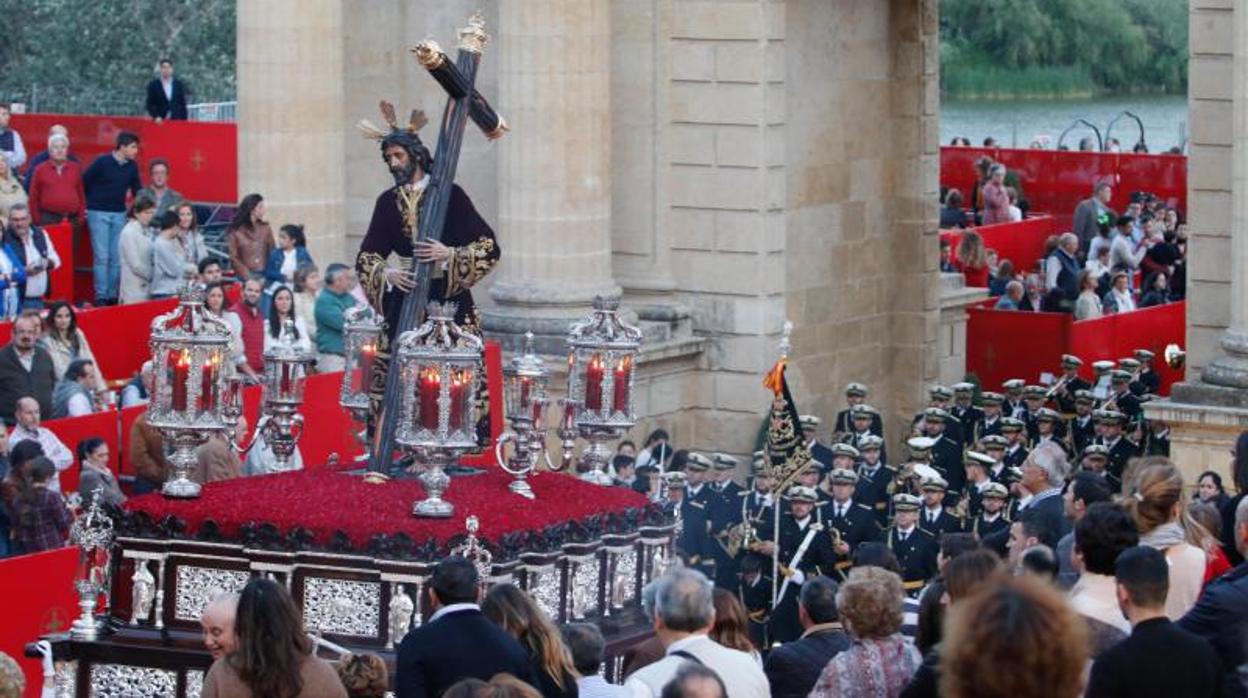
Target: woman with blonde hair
{"type": "Point", "coordinates": [1157, 504]}
{"type": "Point", "coordinates": [516, 612]}
{"type": "Point", "coordinates": [973, 259]}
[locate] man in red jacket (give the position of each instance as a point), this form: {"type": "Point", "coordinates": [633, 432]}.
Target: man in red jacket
{"type": "Point", "coordinates": [56, 192]}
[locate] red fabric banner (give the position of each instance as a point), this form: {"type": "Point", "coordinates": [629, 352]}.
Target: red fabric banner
{"type": "Point", "coordinates": [39, 600]}
{"type": "Point", "coordinates": [1021, 242]}
{"type": "Point", "coordinates": [1004, 344]}
{"type": "Point", "coordinates": [202, 156]}
{"type": "Point", "coordinates": [61, 279]}
{"type": "Point", "coordinates": [1056, 181]}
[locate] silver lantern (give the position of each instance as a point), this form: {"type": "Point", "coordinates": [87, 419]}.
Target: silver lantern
{"type": "Point", "coordinates": [190, 352]}
{"type": "Point", "coordinates": [524, 403]}
{"type": "Point", "coordinates": [361, 337]}
{"type": "Point", "coordinates": [602, 355]}
{"type": "Point", "coordinates": [441, 366]}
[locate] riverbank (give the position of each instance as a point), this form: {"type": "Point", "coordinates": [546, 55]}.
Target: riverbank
{"type": "Point", "coordinates": [985, 82]}
{"type": "Point", "coordinates": [1018, 122]}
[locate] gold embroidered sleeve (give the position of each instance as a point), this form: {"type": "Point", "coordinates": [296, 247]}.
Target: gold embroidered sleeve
{"type": "Point", "coordinates": [469, 264]}
{"type": "Point", "coordinates": [371, 268]}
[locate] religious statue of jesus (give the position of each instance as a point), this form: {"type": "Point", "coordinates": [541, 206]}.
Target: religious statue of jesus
{"type": "Point", "coordinates": [465, 254]}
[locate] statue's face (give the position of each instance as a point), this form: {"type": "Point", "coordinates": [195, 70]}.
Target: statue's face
{"type": "Point", "coordinates": [403, 167]}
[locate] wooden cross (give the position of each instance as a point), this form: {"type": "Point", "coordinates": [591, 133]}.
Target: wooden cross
{"type": "Point", "coordinates": [463, 102]}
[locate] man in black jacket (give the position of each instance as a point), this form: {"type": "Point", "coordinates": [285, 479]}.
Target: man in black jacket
{"type": "Point", "coordinates": [793, 668]}
{"type": "Point", "coordinates": [458, 642]}
{"type": "Point", "coordinates": [25, 369]}
{"type": "Point", "coordinates": [166, 95]}
{"type": "Point", "coordinates": [1221, 613]}
{"type": "Point", "coordinates": [1158, 659]}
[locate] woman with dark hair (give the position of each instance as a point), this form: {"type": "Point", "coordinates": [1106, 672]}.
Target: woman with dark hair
{"type": "Point", "coordinates": [1209, 490]}
{"type": "Point", "coordinates": [218, 305]}
{"type": "Point", "coordinates": [732, 625]}
{"type": "Point", "coordinates": [1239, 478]}
{"type": "Point", "coordinates": [282, 319]}
{"type": "Point", "coordinates": [273, 657]}
{"type": "Point", "coordinates": [514, 611]}
{"type": "Point", "coordinates": [66, 342]}
{"type": "Point", "coordinates": [170, 268]}
{"type": "Point", "coordinates": [135, 248]}
{"type": "Point", "coordinates": [40, 518]}
{"type": "Point", "coordinates": [10, 486]}
{"type": "Point", "coordinates": [1156, 290]}
{"type": "Point", "coordinates": [283, 262]}
{"type": "Point", "coordinates": [656, 449]}
{"type": "Point", "coordinates": [96, 476]}
{"type": "Point", "coordinates": [250, 237]}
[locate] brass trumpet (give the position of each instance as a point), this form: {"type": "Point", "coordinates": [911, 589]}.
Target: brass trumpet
{"type": "Point", "coordinates": [1175, 357]}
{"type": "Point", "coordinates": [1055, 387]}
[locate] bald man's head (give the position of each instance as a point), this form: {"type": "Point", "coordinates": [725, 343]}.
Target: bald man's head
{"type": "Point", "coordinates": [217, 622]}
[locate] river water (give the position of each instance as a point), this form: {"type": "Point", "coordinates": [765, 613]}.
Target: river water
{"type": "Point", "coordinates": [1018, 122]}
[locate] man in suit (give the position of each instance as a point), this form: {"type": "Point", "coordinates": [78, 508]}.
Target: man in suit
{"type": "Point", "coordinates": [1159, 658]}
{"type": "Point", "coordinates": [1085, 222]}
{"type": "Point", "coordinates": [793, 668]}
{"type": "Point", "coordinates": [166, 95]}
{"type": "Point", "coordinates": [850, 522]}
{"type": "Point", "coordinates": [1044, 473]}
{"type": "Point", "coordinates": [916, 549]}
{"type": "Point", "coordinates": [684, 614]}
{"type": "Point", "coordinates": [1220, 615]}
{"type": "Point", "coordinates": [458, 641]}
{"type": "Point", "coordinates": [26, 369]}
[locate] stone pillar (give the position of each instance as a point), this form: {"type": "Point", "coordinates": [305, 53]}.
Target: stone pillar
{"type": "Point", "coordinates": [554, 222]}
{"type": "Point", "coordinates": [1231, 369]}
{"type": "Point", "coordinates": [290, 119]}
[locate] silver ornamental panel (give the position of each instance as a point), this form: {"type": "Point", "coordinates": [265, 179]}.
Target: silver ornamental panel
{"type": "Point", "coordinates": [342, 606]}
{"type": "Point", "coordinates": [65, 681]}
{"type": "Point", "coordinates": [584, 586]}
{"type": "Point", "coordinates": [624, 585]}
{"type": "Point", "coordinates": [543, 584]}
{"type": "Point", "coordinates": [122, 681]}
{"type": "Point", "coordinates": [194, 684]}
{"type": "Point", "coordinates": [195, 587]}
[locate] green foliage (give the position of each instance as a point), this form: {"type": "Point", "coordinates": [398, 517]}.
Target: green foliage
{"type": "Point", "coordinates": [1062, 47]}
{"type": "Point", "coordinates": [85, 56]}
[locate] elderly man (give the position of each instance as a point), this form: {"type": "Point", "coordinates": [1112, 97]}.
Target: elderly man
{"type": "Point", "coordinates": [43, 155]}
{"type": "Point", "coordinates": [34, 252]}
{"type": "Point", "coordinates": [1012, 298]}
{"type": "Point", "coordinates": [684, 615]}
{"type": "Point", "coordinates": [25, 368]}
{"type": "Point", "coordinates": [1061, 270]}
{"type": "Point", "coordinates": [793, 668]}
{"type": "Point", "coordinates": [139, 389]}
{"type": "Point", "coordinates": [28, 429]}
{"type": "Point", "coordinates": [217, 623]}
{"type": "Point", "coordinates": [332, 304]}
{"type": "Point", "coordinates": [72, 395]}
{"type": "Point", "coordinates": [1044, 473]}
{"type": "Point", "coordinates": [56, 192]}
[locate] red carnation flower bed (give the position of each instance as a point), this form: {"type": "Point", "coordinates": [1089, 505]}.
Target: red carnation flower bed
{"type": "Point", "coordinates": [325, 502]}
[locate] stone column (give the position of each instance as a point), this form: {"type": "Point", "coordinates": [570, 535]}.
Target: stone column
{"type": "Point", "coordinates": [1231, 369]}
{"type": "Point", "coordinates": [290, 115]}
{"type": "Point", "coordinates": [554, 222]}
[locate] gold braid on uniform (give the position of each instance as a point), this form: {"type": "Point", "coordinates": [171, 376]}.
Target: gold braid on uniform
{"type": "Point", "coordinates": [372, 270]}
{"type": "Point", "coordinates": [469, 264]}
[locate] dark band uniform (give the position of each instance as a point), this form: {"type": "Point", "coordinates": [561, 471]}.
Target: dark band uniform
{"type": "Point", "coordinates": [819, 559]}
{"type": "Point", "coordinates": [917, 552]}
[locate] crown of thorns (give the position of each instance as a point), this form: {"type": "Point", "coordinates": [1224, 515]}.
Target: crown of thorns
{"type": "Point", "coordinates": [415, 122]}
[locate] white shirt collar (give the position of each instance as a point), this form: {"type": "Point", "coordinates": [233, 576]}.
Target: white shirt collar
{"type": "Point", "coordinates": [453, 608]}
{"type": "Point", "coordinates": [906, 531]}
{"type": "Point", "coordinates": [684, 642]}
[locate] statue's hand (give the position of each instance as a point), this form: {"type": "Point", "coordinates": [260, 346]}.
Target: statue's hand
{"type": "Point", "coordinates": [403, 280]}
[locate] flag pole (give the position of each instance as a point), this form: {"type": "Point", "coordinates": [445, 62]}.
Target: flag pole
{"type": "Point", "coordinates": [785, 346]}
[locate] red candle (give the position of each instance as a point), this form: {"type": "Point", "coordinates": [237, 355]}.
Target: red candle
{"type": "Point", "coordinates": [459, 389]}
{"type": "Point", "coordinates": [284, 390]}
{"type": "Point", "coordinates": [429, 385]}
{"type": "Point", "coordinates": [524, 393]}
{"type": "Point", "coordinates": [364, 371]}
{"type": "Point", "coordinates": [623, 374]}
{"type": "Point", "coordinates": [593, 384]}
{"type": "Point", "coordinates": [181, 373]}
{"type": "Point", "coordinates": [208, 385]}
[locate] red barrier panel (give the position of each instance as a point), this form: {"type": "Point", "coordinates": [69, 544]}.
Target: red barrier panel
{"type": "Point", "coordinates": [39, 600]}
{"type": "Point", "coordinates": [119, 334]}
{"type": "Point", "coordinates": [1056, 181]}
{"type": "Point", "coordinates": [75, 429]}
{"type": "Point", "coordinates": [1021, 242]}
{"type": "Point", "coordinates": [1116, 336]}
{"type": "Point", "coordinates": [61, 279]}
{"type": "Point", "coordinates": [202, 156]}
{"type": "Point", "coordinates": [1005, 344]}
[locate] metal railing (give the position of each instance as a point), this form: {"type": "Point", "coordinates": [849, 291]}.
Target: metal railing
{"type": "Point", "coordinates": [212, 111]}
